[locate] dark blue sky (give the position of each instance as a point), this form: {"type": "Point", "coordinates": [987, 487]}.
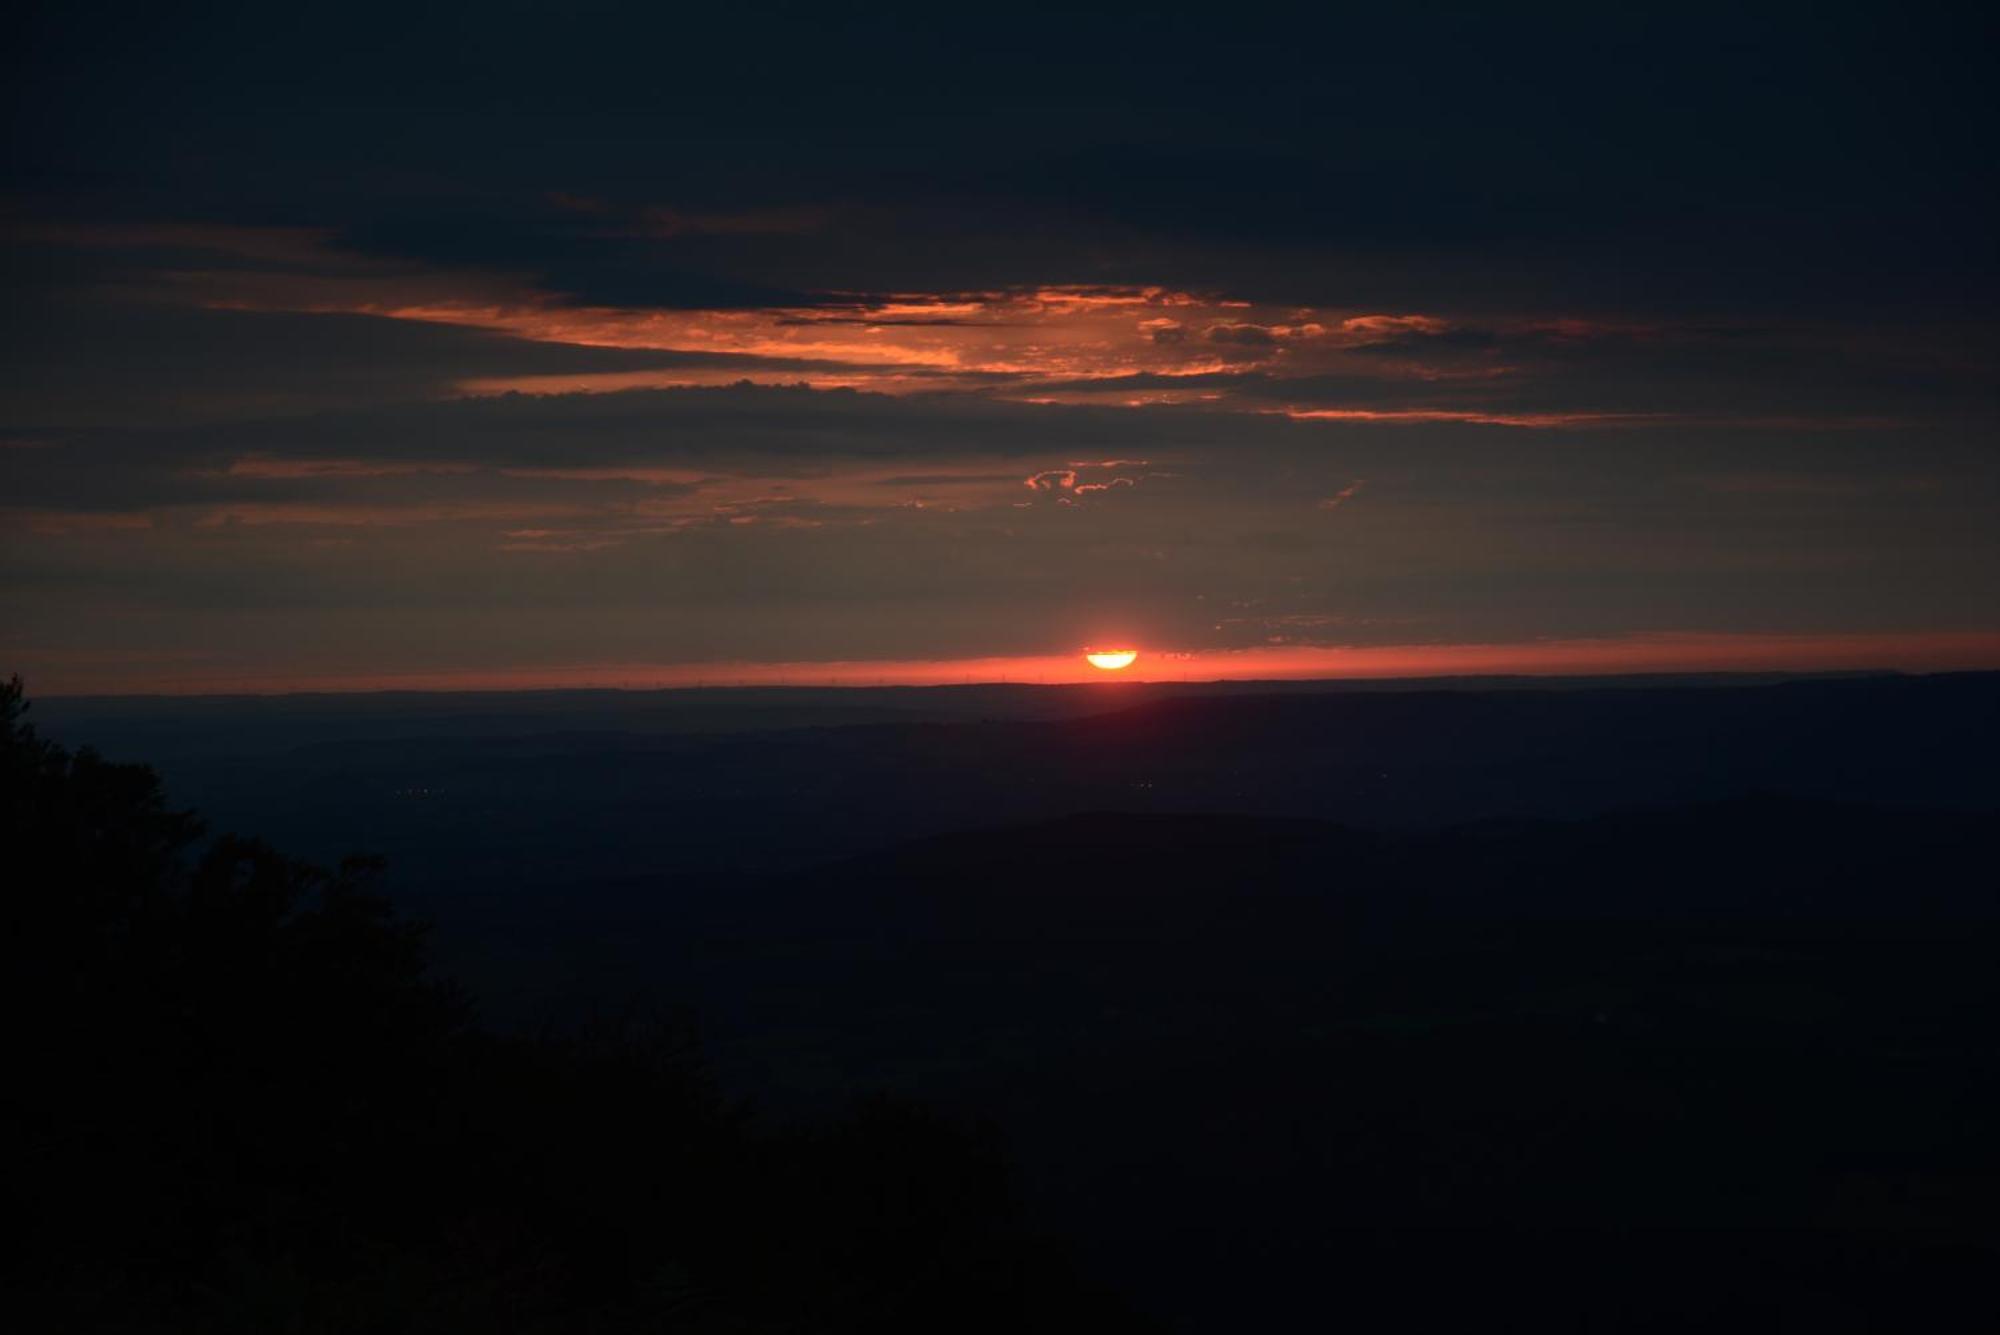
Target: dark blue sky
{"type": "Point", "coordinates": [351, 342]}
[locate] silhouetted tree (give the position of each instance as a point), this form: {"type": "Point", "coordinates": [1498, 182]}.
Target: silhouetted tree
{"type": "Point", "coordinates": [236, 1102]}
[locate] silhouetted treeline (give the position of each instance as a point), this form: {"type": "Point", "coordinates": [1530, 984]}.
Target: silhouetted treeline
{"type": "Point", "coordinates": [237, 1102]}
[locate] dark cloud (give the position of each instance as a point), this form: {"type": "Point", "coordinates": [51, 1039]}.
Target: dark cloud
{"type": "Point", "coordinates": [1241, 335]}
{"type": "Point", "coordinates": [1757, 240]}
{"type": "Point", "coordinates": [744, 429]}
{"type": "Point", "coordinates": [590, 261]}
{"type": "Point", "coordinates": [1790, 154]}
{"type": "Point", "coordinates": [1430, 344]}
{"type": "Point", "coordinates": [942, 479]}
{"type": "Point", "coordinates": [1463, 531]}
{"type": "Point", "coordinates": [72, 362]}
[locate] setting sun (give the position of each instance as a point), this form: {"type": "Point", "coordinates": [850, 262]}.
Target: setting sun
{"type": "Point", "coordinates": [1111, 660]}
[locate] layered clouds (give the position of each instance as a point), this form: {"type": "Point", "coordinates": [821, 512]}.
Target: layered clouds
{"type": "Point", "coordinates": [634, 383]}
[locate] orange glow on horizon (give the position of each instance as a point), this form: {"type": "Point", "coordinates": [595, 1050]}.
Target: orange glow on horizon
{"type": "Point", "coordinates": [1664, 652]}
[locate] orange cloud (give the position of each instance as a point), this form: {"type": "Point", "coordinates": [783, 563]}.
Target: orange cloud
{"type": "Point", "coordinates": [1044, 344]}
{"type": "Point", "coordinates": [1477, 417]}
{"type": "Point", "coordinates": [264, 466]}
{"type": "Point", "coordinates": [61, 523]}
{"type": "Point", "coordinates": [1379, 325]}
{"type": "Point", "coordinates": [260, 514]}
{"type": "Point", "coordinates": [1344, 495]}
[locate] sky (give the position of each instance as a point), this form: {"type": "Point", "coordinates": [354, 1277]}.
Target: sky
{"type": "Point", "coordinates": [512, 344]}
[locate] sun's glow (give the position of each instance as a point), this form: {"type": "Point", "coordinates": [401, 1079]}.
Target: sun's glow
{"type": "Point", "coordinates": [1111, 659]}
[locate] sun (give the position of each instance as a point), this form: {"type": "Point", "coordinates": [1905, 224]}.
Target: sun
{"type": "Point", "coordinates": [1111, 660]}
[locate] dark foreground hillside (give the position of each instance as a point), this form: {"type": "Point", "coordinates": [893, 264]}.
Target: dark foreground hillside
{"type": "Point", "coordinates": [1713, 1064]}
{"type": "Point", "coordinates": [1728, 1066]}
{"type": "Point", "coordinates": [235, 1102]}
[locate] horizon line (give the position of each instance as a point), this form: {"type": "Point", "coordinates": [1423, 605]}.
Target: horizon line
{"type": "Point", "coordinates": [1654, 654]}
